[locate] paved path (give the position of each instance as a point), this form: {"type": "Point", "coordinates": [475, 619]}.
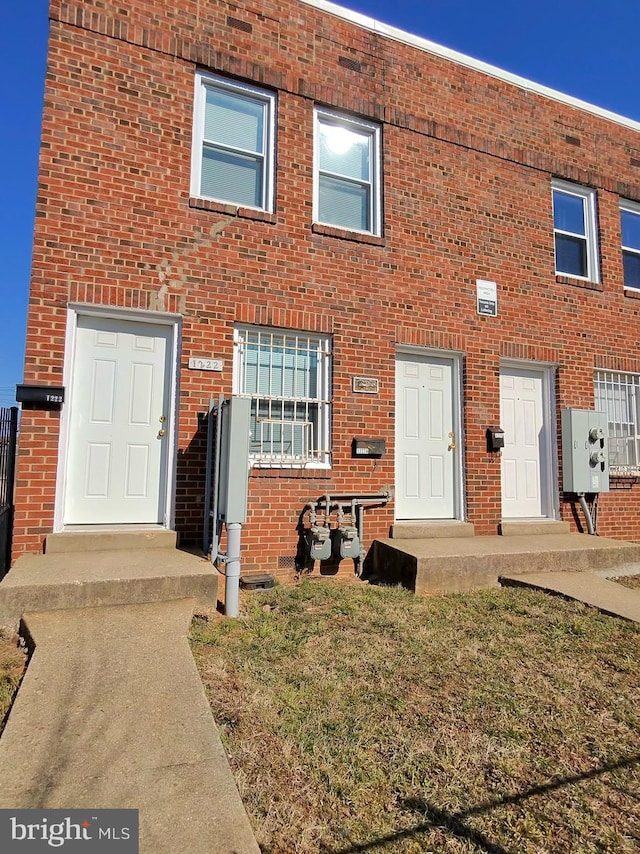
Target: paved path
{"type": "Point", "coordinates": [607, 596]}
{"type": "Point", "coordinates": [112, 713]}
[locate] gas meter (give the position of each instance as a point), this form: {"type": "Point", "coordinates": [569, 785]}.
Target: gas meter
{"type": "Point", "coordinates": [349, 541]}
{"type": "Point", "coordinates": [319, 542]}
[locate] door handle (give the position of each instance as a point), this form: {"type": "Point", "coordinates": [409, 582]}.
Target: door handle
{"type": "Point", "coordinates": [452, 443]}
{"type": "Point", "coordinates": [162, 433]}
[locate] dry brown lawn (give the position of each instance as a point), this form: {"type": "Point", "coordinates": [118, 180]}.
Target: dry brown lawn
{"type": "Point", "coordinates": [13, 661]}
{"type": "Point", "coordinates": [628, 580]}
{"type": "Point", "coordinates": [369, 720]}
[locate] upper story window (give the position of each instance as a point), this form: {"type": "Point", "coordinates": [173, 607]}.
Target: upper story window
{"type": "Point", "coordinates": [347, 173]}
{"type": "Point", "coordinates": [233, 143]}
{"type": "Point", "coordinates": [287, 376]}
{"type": "Point", "coordinates": [630, 226]}
{"type": "Point", "coordinates": [574, 223]}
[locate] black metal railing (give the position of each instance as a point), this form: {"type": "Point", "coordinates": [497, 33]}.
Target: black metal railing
{"type": "Point", "coordinates": [8, 439]}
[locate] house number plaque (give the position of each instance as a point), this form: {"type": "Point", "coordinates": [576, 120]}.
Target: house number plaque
{"type": "Point", "coordinates": [200, 364]}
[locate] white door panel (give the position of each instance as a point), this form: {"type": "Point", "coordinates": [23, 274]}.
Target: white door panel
{"type": "Point", "coordinates": [117, 463]}
{"type": "Point", "coordinates": [525, 456]}
{"type": "Point", "coordinates": [425, 468]}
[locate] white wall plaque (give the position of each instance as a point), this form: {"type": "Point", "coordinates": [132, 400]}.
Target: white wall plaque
{"type": "Point", "coordinates": [200, 364]}
{"type": "Point", "coordinates": [365, 385]}
{"type": "Point", "coordinates": [487, 295]}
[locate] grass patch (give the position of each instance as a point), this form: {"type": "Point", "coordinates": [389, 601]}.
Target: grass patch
{"type": "Point", "coordinates": [628, 580]}
{"type": "Point", "coordinates": [13, 662]}
{"type": "Point", "coordinates": [360, 719]}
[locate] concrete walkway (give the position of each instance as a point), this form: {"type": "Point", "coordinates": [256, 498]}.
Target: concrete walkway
{"type": "Point", "coordinates": [112, 713]}
{"type": "Point", "coordinates": [608, 596]}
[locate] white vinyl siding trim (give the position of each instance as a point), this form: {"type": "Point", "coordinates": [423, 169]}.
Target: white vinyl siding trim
{"type": "Point", "coordinates": [575, 231]}
{"type": "Point", "coordinates": [618, 394]}
{"type": "Point", "coordinates": [287, 375]}
{"type": "Point", "coordinates": [346, 174]}
{"type": "Point", "coordinates": [233, 143]}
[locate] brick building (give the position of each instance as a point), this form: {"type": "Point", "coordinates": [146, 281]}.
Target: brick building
{"type": "Point", "coordinates": [369, 235]}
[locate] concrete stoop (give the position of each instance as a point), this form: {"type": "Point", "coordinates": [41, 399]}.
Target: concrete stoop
{"type": "Point", "coordinates": [533, 527]}
{"type": "Point", "coordinates": [428, 529]}
{"type": "Point", "coordinates": [112, 539]}
{"type": "Point", "coordinates": [138, 569]}
{"type": "Point", "coordinates": [457, 564]}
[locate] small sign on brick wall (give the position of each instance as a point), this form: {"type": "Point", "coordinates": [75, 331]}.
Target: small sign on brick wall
{"type": "Point", "coordinates": [365, 385]}
{"type": "Point", "coordinates": [196, 363]}
{"type": "Point", "coordinates": [487, 296]}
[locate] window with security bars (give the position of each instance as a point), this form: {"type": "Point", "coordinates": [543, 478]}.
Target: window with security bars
{"type": "Point", "coordinates": [287, 376]}
{"type": "Point", "coordinates": [233, 144]}
{"type": "Point", "coordinates": [618, 394]}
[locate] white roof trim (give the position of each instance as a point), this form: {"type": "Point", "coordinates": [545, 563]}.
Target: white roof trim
{"type": "Point", "coordinates": [461, 58]}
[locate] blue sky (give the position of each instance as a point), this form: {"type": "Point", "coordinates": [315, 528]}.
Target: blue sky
{"type": "Point", "coordinates": [586, 48]}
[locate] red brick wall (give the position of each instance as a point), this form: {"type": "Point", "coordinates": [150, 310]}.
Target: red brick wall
{"type": "Point", "coordinates": [467, 165]}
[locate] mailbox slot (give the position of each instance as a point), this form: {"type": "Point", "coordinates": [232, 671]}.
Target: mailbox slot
{"type": "Point", "coordinates": [368, 447]}
{"type": "Point", "coordinates": [495, 439]}
{"type": "Point", "coordinates": [46, 395]}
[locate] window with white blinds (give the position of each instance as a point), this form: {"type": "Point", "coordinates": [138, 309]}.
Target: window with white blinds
{"type": "Point", "coordinates": [630, 229]}
{"type": "Point", "coordinates": [347, 173]}
{"type": "Point", "coordinates": [233, 143]}
{"type": "Point", "coordinates": [287, 376]}
{"type": "Point", "coordinates": [618, 394]}
{"type": "Point", "coordinates": [575, 232]}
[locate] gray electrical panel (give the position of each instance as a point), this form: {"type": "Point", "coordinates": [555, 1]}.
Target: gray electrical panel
{"type": "Point", "coordinates": [585, 455]}
{"type": "Point", "coordinates": [234, 460]}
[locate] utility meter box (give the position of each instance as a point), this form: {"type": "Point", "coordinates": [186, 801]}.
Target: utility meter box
{"type": "Point", "coordinates": [585, 455]}
{"type": "Point", "coordinates": [319, 542]}
{"type": "Point", "coordinates": [234, 460]}
{"type": "Point", "coordinates": [349, 542]}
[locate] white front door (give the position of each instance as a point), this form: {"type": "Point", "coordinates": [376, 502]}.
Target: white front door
{"type": "Point", "coordinates": [119, 420]}
{"type": "Point", "coordinates": [526, 464]}
{"type": "Point", "coordinates": [425, 439]}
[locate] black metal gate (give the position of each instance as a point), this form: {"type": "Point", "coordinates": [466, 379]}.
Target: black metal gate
{"type": "Point", "coordinates": [8, 438]}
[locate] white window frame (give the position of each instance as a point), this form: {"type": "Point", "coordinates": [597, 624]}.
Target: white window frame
{"type": "Point", "coordinates": [373, 131]}
{"type": "Point", "coordinates": [627, 206]}
{"type": "Point", "coordinates": [318, 454]}
{"type": "Point", "coordinates": [204, 81]}
{"type": "Point", "coordinates": [618, 394]}
{"type": "Point", "coordinates": [590, 237]}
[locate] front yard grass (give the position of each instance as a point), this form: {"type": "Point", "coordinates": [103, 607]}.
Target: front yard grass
{"type": "Point", "coordinates": [628, 580]}
{"type": "Point", "coordinates": [13, 662]}
{"type": "Point", "coordinates": [362, 719]}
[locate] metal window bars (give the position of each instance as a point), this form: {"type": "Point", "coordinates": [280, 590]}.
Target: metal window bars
{"type": "Point", "coordinates": [618, 394]}
{"type": "Point", "coordinates": [287, 376]}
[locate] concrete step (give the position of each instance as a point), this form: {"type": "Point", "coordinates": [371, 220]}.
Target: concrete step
{"type": "Point", "coordinates": [114, 539]}
{"type": "Point", "coordinates": [438, 566]}
{"type": "Point", "coordinates": [429, 529]}
{"type": "Point", "coordinates": [94, 578]}
{"type": "Point", "coordinates": [533, 527]}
